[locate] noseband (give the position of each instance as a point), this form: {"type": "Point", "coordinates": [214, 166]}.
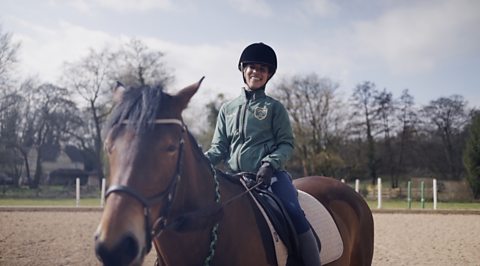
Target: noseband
{"type": "Point", "coordinates": [169, 192]}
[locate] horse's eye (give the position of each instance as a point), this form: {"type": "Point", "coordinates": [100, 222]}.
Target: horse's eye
{"type": "Point", "coordinates": [171, 148]}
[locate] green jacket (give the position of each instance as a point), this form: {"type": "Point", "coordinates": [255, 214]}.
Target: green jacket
{"type": "Point", "coordinates": [251, 129]}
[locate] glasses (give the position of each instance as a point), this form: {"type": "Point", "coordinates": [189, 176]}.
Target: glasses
{"type": "Point", "coordinates": [257, 67]}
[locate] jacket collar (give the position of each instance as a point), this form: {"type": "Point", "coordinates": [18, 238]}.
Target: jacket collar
{"type": "Point", "coordinates": [253, 95]}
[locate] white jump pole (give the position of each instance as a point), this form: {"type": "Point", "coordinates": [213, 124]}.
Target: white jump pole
{"type": "Point", "coordinates": [379, 192]}
{"type": "Point", "coordinates": [357, 185]}
{"type": "Point", "coordinates": [102, 193]}
{"type": "Point", "coordinates": [78, 192]}
{"type": "Point", "coordinates": [434, 193]}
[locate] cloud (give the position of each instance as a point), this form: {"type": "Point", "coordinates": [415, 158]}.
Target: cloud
{"type": "Point", "coordinates": [69, 42]}
{"type": "Point", "coordinates": [258, 8]}
{"type": "Point", "coordinates": [138, 5]}
{"type": "Point", "coordinates": [46, 49]}
{"type": "Point", "coordinates": [322, 8]}
{"type": "Point", "coordinates": [122, 6]}
{"type": "Point", "coordinates": [83, 6]}
{"type": "Point", "coordinates": [398, 42]}
{"type": "Point", "coordinates": [418, 38]}
{"type": "Point", "coordinates": [217, 62]}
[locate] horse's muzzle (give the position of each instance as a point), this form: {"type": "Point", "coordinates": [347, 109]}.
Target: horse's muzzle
{"type": "Point", "coordinates": [124, 252]}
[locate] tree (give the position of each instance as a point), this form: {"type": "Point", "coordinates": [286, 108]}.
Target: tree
{"type": "Point", "coordinates": [10, 118]}
{"type": "Point", "coordinates": [81, 133]}
{"type": "Point", "coordinates": [312, 106]}
{"type": "Point", "coordinates": [445, 119]}
{"type": "Point", "coordinates": [47, 117]}
{"type": "Point", "coordinates": [471, 155]}
{"type": "Point", "coordinates": [385, 113]}
{"type": "Point", "coordinates": [365, 108]}
{"type": "Point", "coordinates": [407, 119]}
{"type": "Point", "coordinates": [90, 79]}
{"type": "Point", "coordinates": [137, 65]}
{"type": "Point", "coordinates": [213, 108]}
{"type": "Point", "coordinates": [8, 59]}
{"type": "Point", "coordinates": [10, 102]}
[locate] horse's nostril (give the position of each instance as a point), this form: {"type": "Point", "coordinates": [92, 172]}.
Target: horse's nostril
{"type": "Point", "coordinates": [129, 247]}
{"type": "Point", "coordinates": [101, 251]}
{"type": "Point", "coordinates": [123, 253]}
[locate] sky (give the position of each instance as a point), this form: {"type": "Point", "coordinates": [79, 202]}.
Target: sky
{"type": "Point", "coordinates": [431, 47]}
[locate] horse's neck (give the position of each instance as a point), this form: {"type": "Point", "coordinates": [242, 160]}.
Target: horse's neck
{"type": "Point", "coordinates": [197, 192]}
{"type": "Point", "coordinates": [197, 185]}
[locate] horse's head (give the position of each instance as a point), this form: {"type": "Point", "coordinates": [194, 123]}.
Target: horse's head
{"type": "Point", "coordinates": [144, 144]}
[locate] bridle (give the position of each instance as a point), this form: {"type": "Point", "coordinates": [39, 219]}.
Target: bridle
{"type": "Point", "coordinates": [151, 229]}
{"type": "Point", "coordinates": [160, 223]}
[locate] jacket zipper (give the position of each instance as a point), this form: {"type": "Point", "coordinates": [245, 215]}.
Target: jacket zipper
{"type": "Point", "coordinates": [244, 120]}
{"type": "Point", "coordinates": [242, 127]}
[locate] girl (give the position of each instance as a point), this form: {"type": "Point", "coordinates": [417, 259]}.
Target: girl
{"type": "Point", "coordinates": [253, 134]}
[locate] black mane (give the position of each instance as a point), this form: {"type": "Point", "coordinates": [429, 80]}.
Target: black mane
{"type": "Point", "coordinates": [139, 106]}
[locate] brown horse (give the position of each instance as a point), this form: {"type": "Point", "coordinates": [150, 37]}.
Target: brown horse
{"type": "Point", "coordinates": [163, 189]}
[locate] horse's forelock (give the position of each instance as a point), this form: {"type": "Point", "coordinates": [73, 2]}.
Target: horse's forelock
{"type": "Point", "coordinates": [138, 107]}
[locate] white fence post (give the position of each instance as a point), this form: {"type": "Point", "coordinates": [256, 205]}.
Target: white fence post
{"type": "Point", "coordinates": [434, 193]}
{"type": "Point", "coordinates": [78, 191]}
{"type": "Point", "coordinates": [102, 193]}
{"type": "Point", "coordinates": [379, 192]}
{"type": "Point", "coordinates": [357, 185]}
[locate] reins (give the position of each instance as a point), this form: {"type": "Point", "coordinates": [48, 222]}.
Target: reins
{"type": "Point", "coordinates": [211, 210]}
{"type": "Point", "coordinates": [248, 190]}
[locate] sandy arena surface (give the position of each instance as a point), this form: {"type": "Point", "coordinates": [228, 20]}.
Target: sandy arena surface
{"type": "Point", "coordinates": [66, 238]}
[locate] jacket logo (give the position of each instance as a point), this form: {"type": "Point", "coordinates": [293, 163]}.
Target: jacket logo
{"type": "Point", "coordinates": [260, 113]}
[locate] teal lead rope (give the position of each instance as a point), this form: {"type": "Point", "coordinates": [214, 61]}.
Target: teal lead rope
{"type": "Point", "coordinates": [214, 235]}
{"type": "Point", "coordinates": [213, 245]}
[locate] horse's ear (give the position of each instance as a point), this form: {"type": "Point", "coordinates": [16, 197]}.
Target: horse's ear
{"type": "Point", "coordinates": [184, 95]}
{"type": "Point", "coordinates": [118, 91]}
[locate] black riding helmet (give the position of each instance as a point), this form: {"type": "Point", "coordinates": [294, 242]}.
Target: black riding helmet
{"type": "Point", "coordinates": [258, 53]}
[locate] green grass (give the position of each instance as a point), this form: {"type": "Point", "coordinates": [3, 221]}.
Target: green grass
{"type": "Point", "coordinates": [95, 202]}
{"type": "Point", "coordinates": [90, 197]}
{"type": "Point", "coordinates": [416, 205]}
{"type": "Point", "coordinates": [43, 193]}
{"type": "Point", "coordinates": [86, 202]}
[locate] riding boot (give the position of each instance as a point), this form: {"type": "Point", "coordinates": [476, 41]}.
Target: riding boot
{"type": "Point", "coordinates": [309, 249]}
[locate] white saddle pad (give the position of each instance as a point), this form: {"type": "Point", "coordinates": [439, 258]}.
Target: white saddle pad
{"type": "Point", "coordinates": [321, 221]}
{"type": "Point", "coordinates": [323, 224]}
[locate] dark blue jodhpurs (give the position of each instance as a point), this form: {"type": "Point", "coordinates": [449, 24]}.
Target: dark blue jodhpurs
{"type": "Point", "coordinates": [283, 188]}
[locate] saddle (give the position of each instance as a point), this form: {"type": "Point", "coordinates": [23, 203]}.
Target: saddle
{"type": "Point", "coordinates": [283, 233]}
{"type": "Point", "coordinates": [278, 218]}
